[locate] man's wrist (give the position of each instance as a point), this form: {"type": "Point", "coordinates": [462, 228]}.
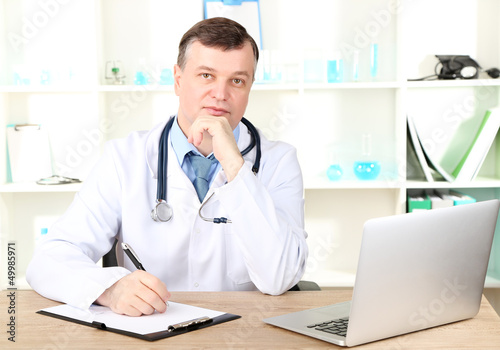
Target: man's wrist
{"type": "Point", "coordinates": [103, 299]}
{"type": "Point", "coordinates": [233, 167]}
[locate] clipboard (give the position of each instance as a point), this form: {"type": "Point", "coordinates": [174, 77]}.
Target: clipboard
{"type": "Point", "coordinates": [29, 152]}
{"type": "Point", "coordinates": [178, 319]}
{"type": "Point", "coordinates": [245, 12]}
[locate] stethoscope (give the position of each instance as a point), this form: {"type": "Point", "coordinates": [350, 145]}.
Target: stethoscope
{"type": "Point", "coordinates": [162, 212]}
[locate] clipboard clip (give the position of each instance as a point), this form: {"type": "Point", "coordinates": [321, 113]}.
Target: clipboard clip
{"type": "Point", "coordinates": [189, 325]}
{"type": "Point", "coordinates": [99, 325]}
{"type": "Point", "coordinates": [26, 127]}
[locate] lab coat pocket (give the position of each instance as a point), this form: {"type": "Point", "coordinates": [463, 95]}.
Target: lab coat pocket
{"type": "Point", "coordinates": [236, 268]}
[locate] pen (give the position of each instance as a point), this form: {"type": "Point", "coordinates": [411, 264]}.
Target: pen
{"type": "Point", "coordinates": [133, 257]}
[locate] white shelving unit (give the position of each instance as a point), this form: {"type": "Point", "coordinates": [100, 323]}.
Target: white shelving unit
{"type": "Point", "coordinates": [325, 121]}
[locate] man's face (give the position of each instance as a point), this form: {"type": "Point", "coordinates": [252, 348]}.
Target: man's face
{"type": "Point", "coordinates": [214, 83]}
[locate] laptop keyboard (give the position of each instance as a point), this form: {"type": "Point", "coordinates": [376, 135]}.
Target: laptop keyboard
{"type": "Point", "coordinates": [337, 326]}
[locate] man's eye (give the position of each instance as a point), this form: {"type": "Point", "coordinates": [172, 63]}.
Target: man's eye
{"type": "Point", "coordinates": [206, 75]}
{"type": "Point", "coordinates": [238, 81]}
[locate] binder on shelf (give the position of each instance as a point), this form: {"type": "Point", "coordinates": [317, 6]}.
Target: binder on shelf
{"type": "Point", "coordinates": [417, 148]}
{"type": "Point", "coordinates": [245, 12]}
{"type": "Point", "coordinates": [413, 169]}
{"type": "Point", "coordinates": [178, 319]}
{"type": "Point", "coordinates": [471, 162]}
{"type": "Point", "coordinates": [439, 200]}
{"type": "Point", "coordinates": [437, 167]}
{"type": "Point", "coordinates": [28, 152]}
{"type": "Point", "coordinates": [460, 198]}
{"type": "Point", "coordinates": [418, 201]}
{"type": "Point", "coordinates": [433, 166]}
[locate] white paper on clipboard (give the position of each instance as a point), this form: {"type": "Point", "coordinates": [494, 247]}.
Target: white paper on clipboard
{"type": "Point", "coordinates": [245, 12]}
{"type": "Point", "coordinates": [29, 152]}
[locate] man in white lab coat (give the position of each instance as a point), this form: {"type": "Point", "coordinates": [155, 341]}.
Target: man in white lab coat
{"type": "Point", "coordinates": [264, 246]}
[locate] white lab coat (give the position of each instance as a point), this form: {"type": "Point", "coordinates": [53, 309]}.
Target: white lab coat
{"type": "Point", "coordinates": [263, 248]}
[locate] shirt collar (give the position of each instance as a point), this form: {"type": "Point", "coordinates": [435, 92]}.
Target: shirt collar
{"type": "Point", "coordinates": [181, 145]}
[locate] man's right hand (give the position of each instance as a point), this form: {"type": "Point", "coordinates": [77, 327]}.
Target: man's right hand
{"type": "Point", "coordinates": [139, 293]}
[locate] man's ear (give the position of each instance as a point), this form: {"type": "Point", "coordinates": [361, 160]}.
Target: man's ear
{"type": "Point", "coordinates": [177, 79]}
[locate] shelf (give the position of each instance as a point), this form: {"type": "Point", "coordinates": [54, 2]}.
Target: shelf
{"type": "Point", "coordinates": [324, 183]}
{"type": "Point", "coordinates": [47, 88]}
{"type": "Point", "coordinates": [309, 184]}
{"type": "Point", "coordinates": [128, 88]}
{"type": "Point", "coordinates": [353, 85]}
{"type": "Point", "coordinates": [33, 187]}
{"type": "Point", "coordinates": [259, 86]}
{"type": "Point", "coordinates": [453, 83]}
{"type": "Point", "coordinates": [479, 182]}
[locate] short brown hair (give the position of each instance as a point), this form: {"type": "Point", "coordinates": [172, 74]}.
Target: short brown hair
{"type": "Point", "coordinates": [218, 32]}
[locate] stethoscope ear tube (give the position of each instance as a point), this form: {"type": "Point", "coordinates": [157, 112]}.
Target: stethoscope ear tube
{"type": "Point", "coordinates": [255, 142]}
{"type": "Point", "coordinates": [161, 190]}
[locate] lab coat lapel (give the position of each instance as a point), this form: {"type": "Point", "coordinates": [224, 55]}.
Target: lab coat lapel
{"type": "Point", "coordinates": [175, 175]}
{"type": "Point", "coordinates": [176, 178]}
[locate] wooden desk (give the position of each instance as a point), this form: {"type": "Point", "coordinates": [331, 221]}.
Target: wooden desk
{"type": "Point", "coordinates": [34, 331]}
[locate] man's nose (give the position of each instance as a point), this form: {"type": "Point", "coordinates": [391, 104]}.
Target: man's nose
{"type": "Point", "coordinates": [220, 90]}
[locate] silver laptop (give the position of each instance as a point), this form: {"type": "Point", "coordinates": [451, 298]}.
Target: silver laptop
{"type": "Point", "coordinates": [415, 271]}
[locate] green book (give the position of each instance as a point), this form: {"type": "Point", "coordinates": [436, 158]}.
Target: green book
{"type": "Point", "coordinates": [472, 160]}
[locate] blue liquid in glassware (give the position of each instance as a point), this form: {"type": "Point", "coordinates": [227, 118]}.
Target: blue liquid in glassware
{"type": "Point", "coordinates": [373, 60]}
{"type": "Point", "coordinates": [367, 170]}
{"type": "Point", "coordinates": [166, 77]}
{"type": "Point", "coordinates": [334, 172]}
{"type": "Point", "coordinates": [313, 71]}
{"type": "Point", "coordinates": [140, 78]}
{"type": "Point", "coordinates": [334, 71]}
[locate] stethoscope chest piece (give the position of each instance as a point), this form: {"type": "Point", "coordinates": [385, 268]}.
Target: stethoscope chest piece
{"type": "Point", "coordinates": [162, 212]}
